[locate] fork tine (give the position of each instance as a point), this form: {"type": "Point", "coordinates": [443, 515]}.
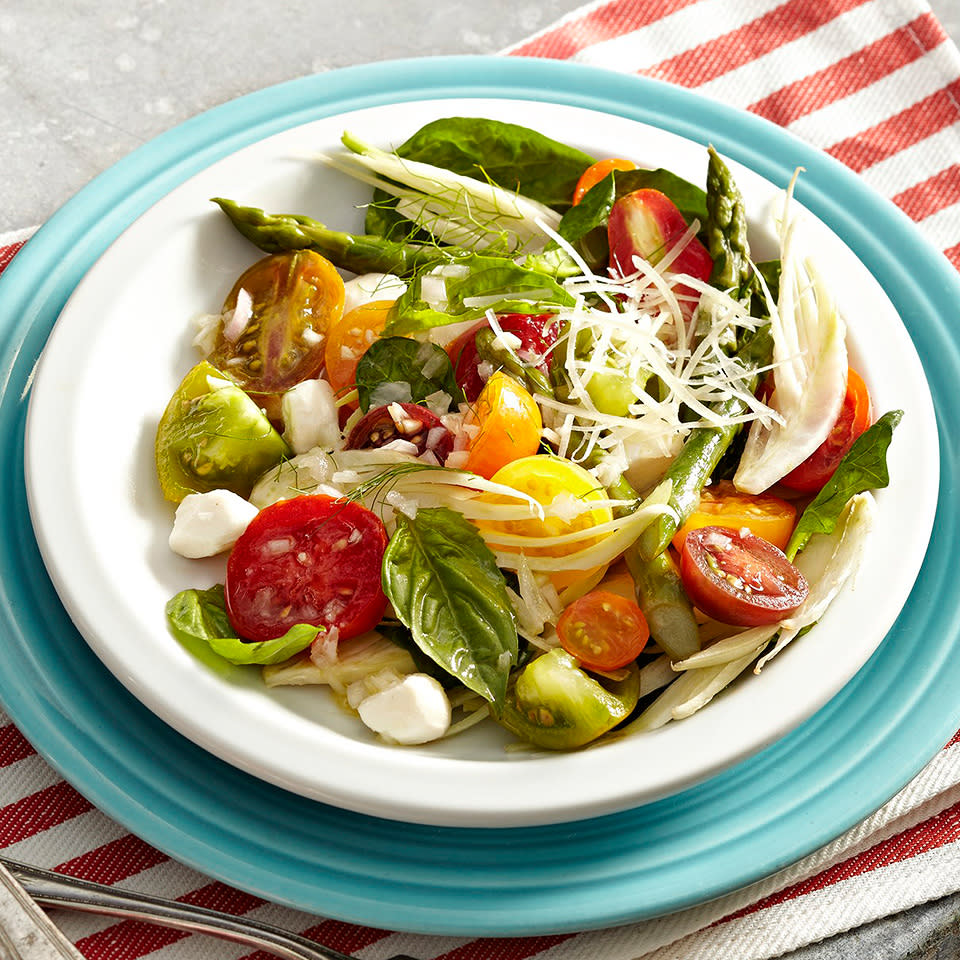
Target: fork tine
{"type": "Point", "coordinates": [72, 893]}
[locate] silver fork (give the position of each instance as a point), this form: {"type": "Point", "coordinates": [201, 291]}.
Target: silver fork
{"type": "Point", "coordinates": [58, 890]}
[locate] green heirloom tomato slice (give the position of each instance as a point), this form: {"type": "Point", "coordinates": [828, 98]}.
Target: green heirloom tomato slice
{"type": "Point", "coordinates": [556, 705]}
{"type": "Point", "coordinates": [212, 436]}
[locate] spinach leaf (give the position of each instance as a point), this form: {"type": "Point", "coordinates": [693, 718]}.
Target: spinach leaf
{"type": "Point", "coordinates": [491, 282]}
{"type": "Point", "coordinates": [424, 367]}
{"type": "Point", "coordinates": [444, 585]}
{"type": "Point", "coordinates": [512, 156]}
{"type": "Point", "coordinates": [690, 199]}
{"type": "Point", "coordinates": [585, 225]}
{"type": "Point", "coordinates": [863, 468]}
{"type": "Point", "coordinates": [198, 619]}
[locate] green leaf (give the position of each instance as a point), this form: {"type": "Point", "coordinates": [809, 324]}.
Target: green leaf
{"type": "Point", "coordinates": [198, 619]}
{"type": "Point", "coordinates": [515, 289]}
{"type": "Point", "coordinates": [863, 468]}
{"type": "Point", "coordinates": [585, 225]}
{"type": "Point", "coordinates": [445, 586]}
{"type": "Point", "coordinates": [689, 199]}
{"type": "Point", "coordinates": [512, 156]}
{"type": "Point", "coordinates": [424, 367]}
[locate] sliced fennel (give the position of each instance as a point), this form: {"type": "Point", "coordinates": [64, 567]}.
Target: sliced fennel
{"type": "Point", "coordinates": [810, 362]}
{"type": "Point", "coordinates": [454, 208]}
{"type": "Point", "coordinates": [828, 562]}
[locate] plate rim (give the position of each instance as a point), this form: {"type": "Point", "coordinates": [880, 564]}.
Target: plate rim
{"type": "Point", "coordinates": [258, 733]}
{"type": "Point", "coordinates": [478, 77]}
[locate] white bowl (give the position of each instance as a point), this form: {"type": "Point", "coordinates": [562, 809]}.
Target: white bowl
{"type": "Point", "coordinates": [121, 346]}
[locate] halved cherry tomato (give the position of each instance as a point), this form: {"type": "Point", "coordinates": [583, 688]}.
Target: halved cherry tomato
{"type": "Point", "coordinates": [402, 421]}
{"type": "Point", "coordinates": [738, 578]}
{"type": "Point", "coordinates": [853, 420]}
{"type": "Point", "coordinates": [509, 425]}
{"type": "Point", "coordinates": [275, 321]}
{"type": "Point", "coordinates": [349, 339]}
{"type": "Point", "coordinates": [603, 631]}
{"type": "Point", "coordinates": [545, 477]}
{"type": "Point", "coordinates": [537, 334]}
{"type": "Point", "coordinates": [721, 505]}
{"type": "Point", "coordinates": [596, 172]}
{"type": "Point", "coordinates": [647, 224]}
{"type": "Point", "coordinates": [313, 559]}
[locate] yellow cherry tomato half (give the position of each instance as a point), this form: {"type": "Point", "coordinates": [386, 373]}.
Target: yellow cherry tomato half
{"type": "Point", "coordinates": [349, 339]}
{"type": "Point", "coordinates": [545, 478]}
{"type": "Point", "coordinates": [509, 424]}
{"type": "Point", "coordinates": [764, 515]}
{"type": "Point", "coordinates": [596, 172]}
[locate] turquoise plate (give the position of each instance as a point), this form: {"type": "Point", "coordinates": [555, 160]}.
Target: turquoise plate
{"type": "Point", "coordinates": [738, 827]}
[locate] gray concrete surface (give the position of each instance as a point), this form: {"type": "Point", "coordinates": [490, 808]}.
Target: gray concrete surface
{"type": "Point", "coordinates": [84, 82]}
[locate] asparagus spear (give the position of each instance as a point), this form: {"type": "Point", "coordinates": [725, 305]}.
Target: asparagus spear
{"type": "Point", "coordinates": [359, 253]}
{"type": "Point", "coordinates": [661, 597]}
{"type": "Point", "coordinates": [726, 229]}
{"type": "Point", "coordinates": [531, 376]}
{"type": "Point", "coordinates": [700, 454]}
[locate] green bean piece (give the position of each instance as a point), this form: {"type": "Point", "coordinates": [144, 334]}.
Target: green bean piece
{"type": "Point", "coordinates": [359, 253]}
{"type": "Point", "coordinates": [726, 229]}
{"type": "Point", "coordinates": [701, 453]}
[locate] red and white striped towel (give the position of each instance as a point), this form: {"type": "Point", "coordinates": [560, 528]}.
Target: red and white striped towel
{"type": "Point", "coordinates": [876, 84]}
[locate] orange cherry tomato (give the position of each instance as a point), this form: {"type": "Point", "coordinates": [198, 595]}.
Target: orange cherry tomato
{"type": "Point", "coordinates": [603, 631]}
{"type": "Point", "coordinates": [764, 515]}
{"type": "Point", "coordinates": [349, 339]}
{"type": "Point", "coordinates": [509, 425]}
{"type": "Point", "coordinates": [854, 418]}
{"type": "Point", "coordinates": [275, 320]}
{"type": "Point", "coordinates": [596, 172]}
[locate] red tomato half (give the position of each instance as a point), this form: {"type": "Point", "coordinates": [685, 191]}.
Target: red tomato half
{"type": "Point", "coordinates": [603, 630]}
{"type": "Point", "coordinates": [854, 419]}
{"type": "Point", "coordinates": [738, 578]}
{"type": "Point", "coordinates": [537, 334]}
{"type": "Point", "coordinates": [313, 559]}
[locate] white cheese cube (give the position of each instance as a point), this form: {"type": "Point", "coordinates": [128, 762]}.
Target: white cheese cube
{"type": "Point", "coordinates": [206, 524]}
{"type": "Point", "coordinates": [369, 287]}
{"type": "Point", "coordinates": [310, 417]}
{"type": "Point", "coordinates": [415, 710]}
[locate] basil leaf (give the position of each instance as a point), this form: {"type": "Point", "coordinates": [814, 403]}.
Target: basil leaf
{"type": "Point", "coordinates": [513, 289]}
{"type": "Point", "coordinates": [424, 367]}
{"type": "Point", "coordinates": [445, 586]}
{"type": "Point", "coordinates": [198, 619]}
{"type": "Point", "coordinates": [863, 468]}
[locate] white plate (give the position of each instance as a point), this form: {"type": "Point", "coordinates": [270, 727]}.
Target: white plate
{"type": "Point", "coordinates": [121, 346]}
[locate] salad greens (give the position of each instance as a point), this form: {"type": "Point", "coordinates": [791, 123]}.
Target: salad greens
{"type": "Point", "coordinates": [199, 617]}
{"type": "Point", "coordinates": [571, 456]}
{"type": "Point", "coordinates": [445, 586]}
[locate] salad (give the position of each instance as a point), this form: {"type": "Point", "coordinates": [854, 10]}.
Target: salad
{"type": "Point", "coordinates": [543, 446]}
